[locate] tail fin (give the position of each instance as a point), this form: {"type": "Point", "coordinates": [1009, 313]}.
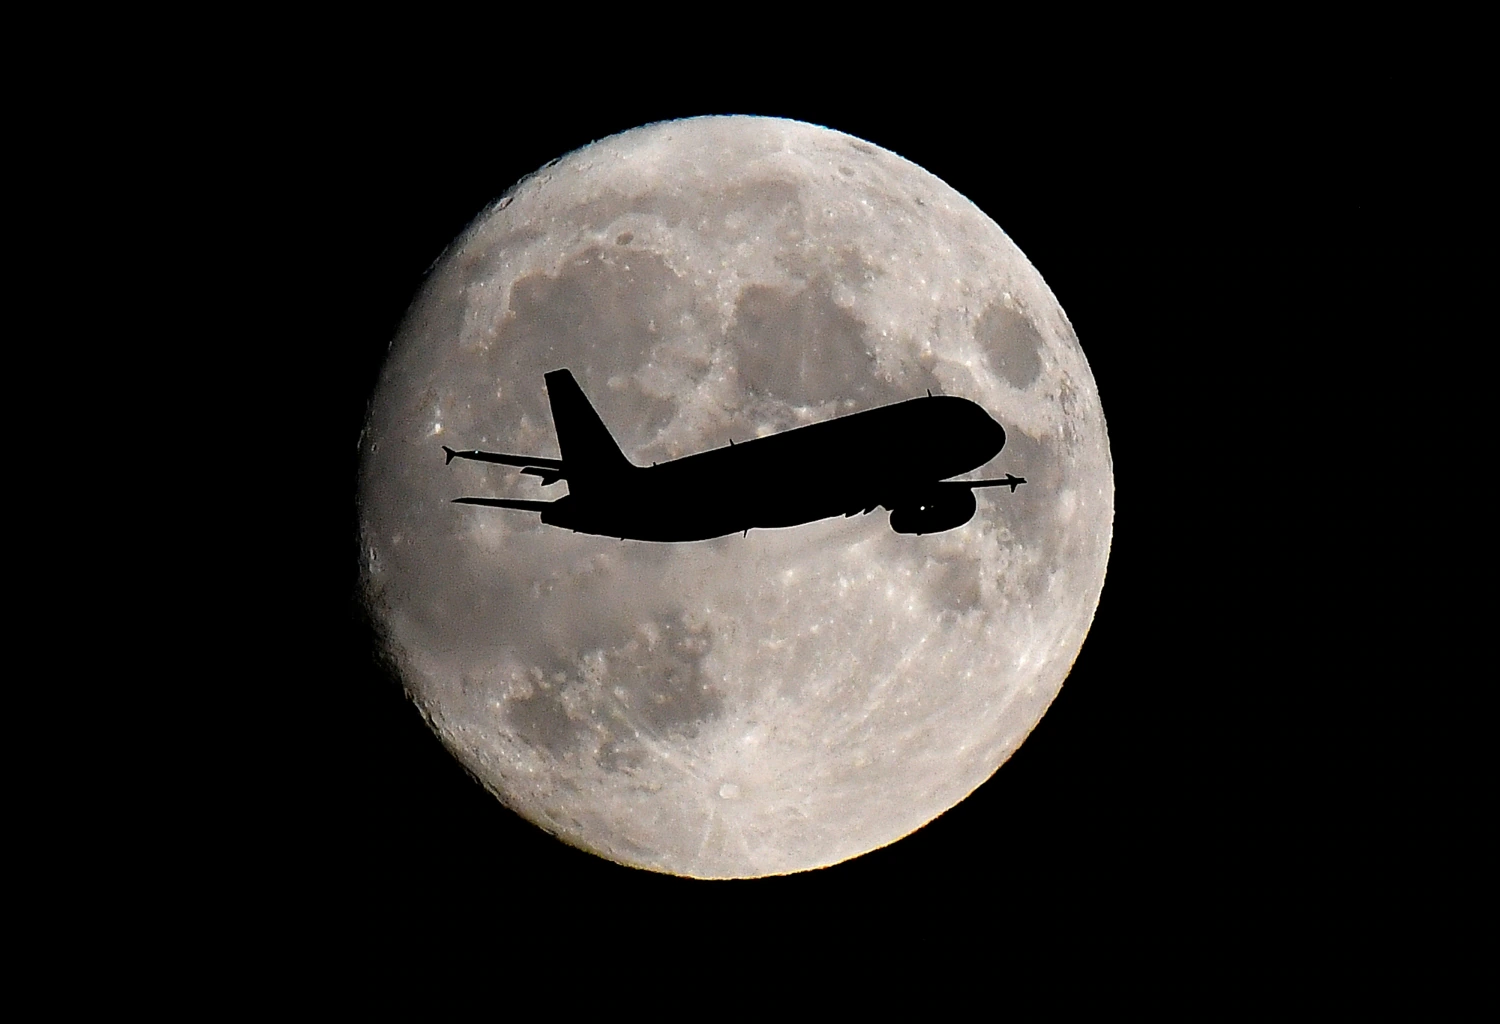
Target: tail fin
{"type": "Point", "coordinates": [590, 455]}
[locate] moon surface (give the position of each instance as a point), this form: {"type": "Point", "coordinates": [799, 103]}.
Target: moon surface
{"type": "Point", "coordinates": [750, 705]}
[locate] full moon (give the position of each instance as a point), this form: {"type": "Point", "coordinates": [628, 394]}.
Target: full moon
{"type": "Point", "coordinates": [759, 704]}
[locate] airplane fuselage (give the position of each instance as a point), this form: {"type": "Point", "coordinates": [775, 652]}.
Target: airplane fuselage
{"type": "Point", "coordinates": [893, 456]}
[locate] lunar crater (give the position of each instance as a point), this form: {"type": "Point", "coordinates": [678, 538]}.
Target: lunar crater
{"type": "Point", "coordinates": [1011, 343]}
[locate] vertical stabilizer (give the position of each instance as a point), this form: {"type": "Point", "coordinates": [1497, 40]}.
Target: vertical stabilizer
{"type": "Point", "coordinates": [589, 454]}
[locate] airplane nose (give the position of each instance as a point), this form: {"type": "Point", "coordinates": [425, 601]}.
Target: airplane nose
{"type": "Point", "coordinates": [994, 434]}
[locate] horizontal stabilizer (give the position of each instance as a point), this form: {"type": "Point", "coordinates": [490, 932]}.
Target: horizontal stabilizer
{"type": "Point", "coordinates": [1010, 481]}
{"type": "Point", "coordinates": [516, 503]}
{"type": "Point", "coordinates": [501, 458]}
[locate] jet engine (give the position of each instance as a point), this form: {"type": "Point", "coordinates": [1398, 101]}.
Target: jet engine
{"type": "Point", "coordinates": [946, 507]}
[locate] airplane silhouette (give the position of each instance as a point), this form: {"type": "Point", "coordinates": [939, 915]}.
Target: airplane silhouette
{"type": "Point", "coordinates": [897, 457]}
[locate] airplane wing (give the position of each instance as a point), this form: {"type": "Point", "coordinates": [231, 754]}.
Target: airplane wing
{"type": "Point", "coordinates": [1010, 481]}
{"type": "Point", "coordinates": [550, 470]}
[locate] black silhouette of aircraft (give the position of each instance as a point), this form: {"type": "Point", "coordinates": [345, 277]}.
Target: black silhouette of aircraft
{"type": "Point", "coordinates": [897, 457]}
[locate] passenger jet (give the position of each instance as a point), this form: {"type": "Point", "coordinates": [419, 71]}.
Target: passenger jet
{"type": "Point", "coordinates": [898, 457]}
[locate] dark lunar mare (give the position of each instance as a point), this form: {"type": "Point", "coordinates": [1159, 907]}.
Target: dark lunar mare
{"type": "Point", "coordinates": [898, 457]}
